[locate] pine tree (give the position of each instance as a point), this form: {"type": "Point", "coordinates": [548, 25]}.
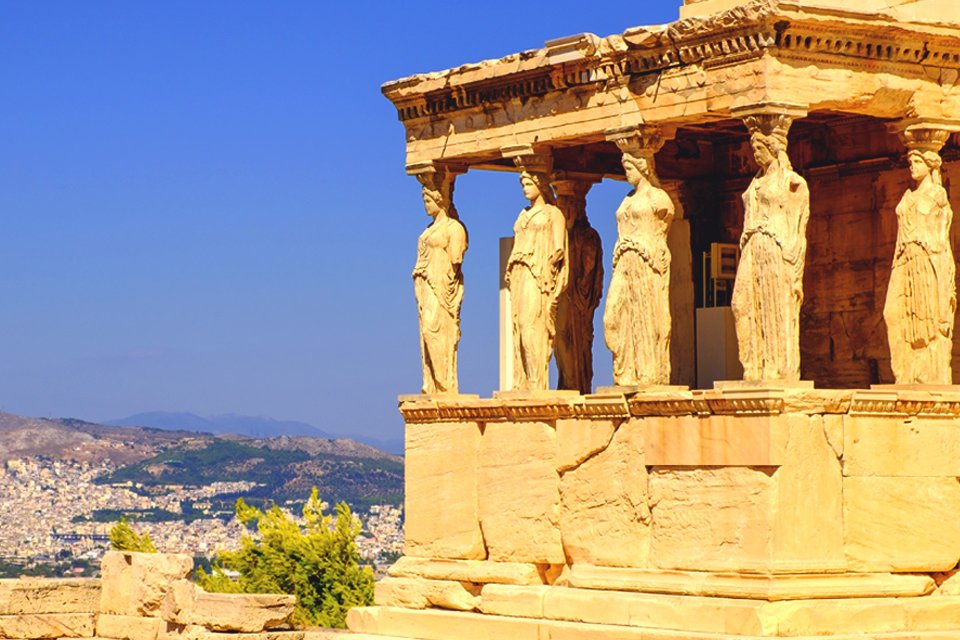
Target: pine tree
{"type": "Point", "coordinates": [124, 538]}
{"type": "Point", "coordinates": [319, 563]}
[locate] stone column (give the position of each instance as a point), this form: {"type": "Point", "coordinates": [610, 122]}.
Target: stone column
{"type": "Point", "coordinates": [579, 302]}
{"type": "Point", "coordinates": [536, 271]}
{"type": "Point", "coordinates": [768, 290]}
{"type": "Point", "coordinates": [683, 356]}
{"type": "Point", "coordinates": [438, 279]}
{"type": "Point", "coordinates": [636, 320]}
{"type": "Point", "coordinates": [921, 296]}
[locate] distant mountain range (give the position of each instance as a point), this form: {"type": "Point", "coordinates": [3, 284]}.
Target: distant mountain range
{"type": "Point", "coordinates": [251, 426]}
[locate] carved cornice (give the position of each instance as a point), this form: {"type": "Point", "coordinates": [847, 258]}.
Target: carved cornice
{"type": "Point", "coordinates": [742, 33]}
{"type": "Point", "coordinates": [617, 406]}
{"type": "Point", "coordinates": [905, 404]}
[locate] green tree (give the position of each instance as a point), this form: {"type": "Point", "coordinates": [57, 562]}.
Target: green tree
{"type": "Point", "coordinates": [124, 538]}
{"type": "Point", "coordinates": [319, 563]}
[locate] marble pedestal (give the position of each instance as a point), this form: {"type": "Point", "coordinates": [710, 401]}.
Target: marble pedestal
{"type": "Point", "coordinates": [679, 515]}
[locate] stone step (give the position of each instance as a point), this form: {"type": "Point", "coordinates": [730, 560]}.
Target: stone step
{"type": "Point", "coordinates": [29, 626]}
{"type": "Point", "coordinates": [873, 619]}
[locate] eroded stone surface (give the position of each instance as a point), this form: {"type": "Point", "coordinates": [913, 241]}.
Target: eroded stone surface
{"type": "Point", "coordinates": [476, 571]}
{"type": "Point", "coordinates": [901, 524]}
{"type": "Point", "coordinates": [187, 604]}
{"type": "Point", "coordinates": [519, 493]}
{"type": "Point", "coordinates": [578, 440]}
{"type": "Point", "coordinates": [901, 447]}
{"type": "Point", "coordinates": [420, 593]}
{"type": "Point", "coordinates": [121, 627]}
{"type": "Point", "coordinates": [135, 584]}
{"type": "Point", "coordinates": [808, 512]}
{"type": "Point", "coordinates": [41, 595]}
{"type": "Point", "coordinates": [30, 626]}
{"type": "Point", "coordinates": [710, 519]}
{"type": "Point", "coordinates": [604, 517]}
{"type": "Point", "coordinates": [441, 502]}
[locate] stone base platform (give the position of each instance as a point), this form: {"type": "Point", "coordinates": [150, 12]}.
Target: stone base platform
{"type": "Point", "coordinates": [673, 514]}
{"type": "Point", "coordinates": [808, 621]}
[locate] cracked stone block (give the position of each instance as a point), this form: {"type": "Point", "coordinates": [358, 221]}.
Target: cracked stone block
{"type": "Point", "coordinates": [520, 493]}
{"type": "Point", "coordinates": [441, 503]}
{"type": "Point", "coordinates": [901, 524]}
{"type": "Point", "coordinates": [41, 595]}
{"type": "Point", "coordinates": [604, 516]}
{"type": "Point", "coordinates": [135, 584]}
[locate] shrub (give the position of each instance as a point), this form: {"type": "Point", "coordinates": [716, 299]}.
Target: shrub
{"type": "Point", "coordinates": [124, 538]}
{"type": "Point", "coordinates": [319, 563]}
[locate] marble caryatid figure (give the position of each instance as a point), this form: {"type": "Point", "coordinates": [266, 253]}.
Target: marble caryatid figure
{"type": "Point", "coordinates": [636, 319]}
{"type": "Point", "coordinates": [768, 290]}
{"type": "Point", "coordinates": [922, 297]}
{"type": "Point", "coordinates": [536, 275]}
{"type": "Point", "coordinates": [438, 282]}
{"type": "Point", "coordinates": [579, 302]}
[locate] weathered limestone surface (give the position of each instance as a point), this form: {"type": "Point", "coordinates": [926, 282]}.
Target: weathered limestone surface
{"type": "Point", "coordinates": [132, 627]}
{"type": "Point", "coordinates": [904, 446]}
{"type": "Point", "coordinates": [441, 501]}
{"type": "Point", "coordinates": [419, 593]}
{"type": "Point", "coordinates": [753, 586]}
{"type": "Point", "coordinates": [187, 604]}
{"type": "Point", "coordinates": [520, 493]}
{"type": "Point", "coordinates": [135, 584]}
{"type": "Point", "coordinates": [710, 519]}
{"type": "Point", "coordinates": [47, 625]}
{"type": "Point", "coordinates": [40, 595]}
{"type": "Point", "coordinates": [578, 440]}
{"type": "Point", "coordinates": [439, 625]}
{"type": "Point", "coordinates": [511, 600]}
{"type": "Point", "coordinates": [901, 524]}
{"type": "Point", "coordinates": [604, 516]}
{"type": "Point", "coordinates": [807, 527]}
{"type": "Point", "coordinates": [716, 440]}
{"type": "Point", "coordinates": [476, 571]}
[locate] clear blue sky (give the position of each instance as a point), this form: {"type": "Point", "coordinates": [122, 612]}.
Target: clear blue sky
{"type": "Point", "coordinates": [205, 209]}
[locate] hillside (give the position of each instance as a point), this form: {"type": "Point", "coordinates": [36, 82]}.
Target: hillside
{"type": "Point", "coordinates": [71, 439]}
{"type": "Point", "coordinates": [250, 426]}
{"type": "Point", "coordinates": [282, 468]}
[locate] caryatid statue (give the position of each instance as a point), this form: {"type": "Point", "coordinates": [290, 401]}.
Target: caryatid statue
{"type": "Point", "coordinates": [438, 279]}
{"type": "Point", "coordinates": [579, 302]}
{"type": "Point", "coordinates": [536, 275]}
{"type": "Point", "coordinates": [636, 319]}
{"type": "Point", "coordinates": [768, 290]}
{"type": "Point", "coordinates": [922, 296]}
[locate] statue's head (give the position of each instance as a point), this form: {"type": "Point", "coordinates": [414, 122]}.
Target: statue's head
{"type": "Point", "coordinates": [768, 139]}
{"type": "Point", "coordinates": [637, 166]}
{"type": "Point", "coordinates": [433, 201]}
{"type": "Point", "coordinates": [536, 184]}
{"type": "Point", "coordinates": [924, 163]}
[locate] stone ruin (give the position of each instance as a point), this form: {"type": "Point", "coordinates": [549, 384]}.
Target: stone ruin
{"type": "Point", "coordinates": [817, 496]}
{"type": "Point", "coordinates": [142, 596]}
